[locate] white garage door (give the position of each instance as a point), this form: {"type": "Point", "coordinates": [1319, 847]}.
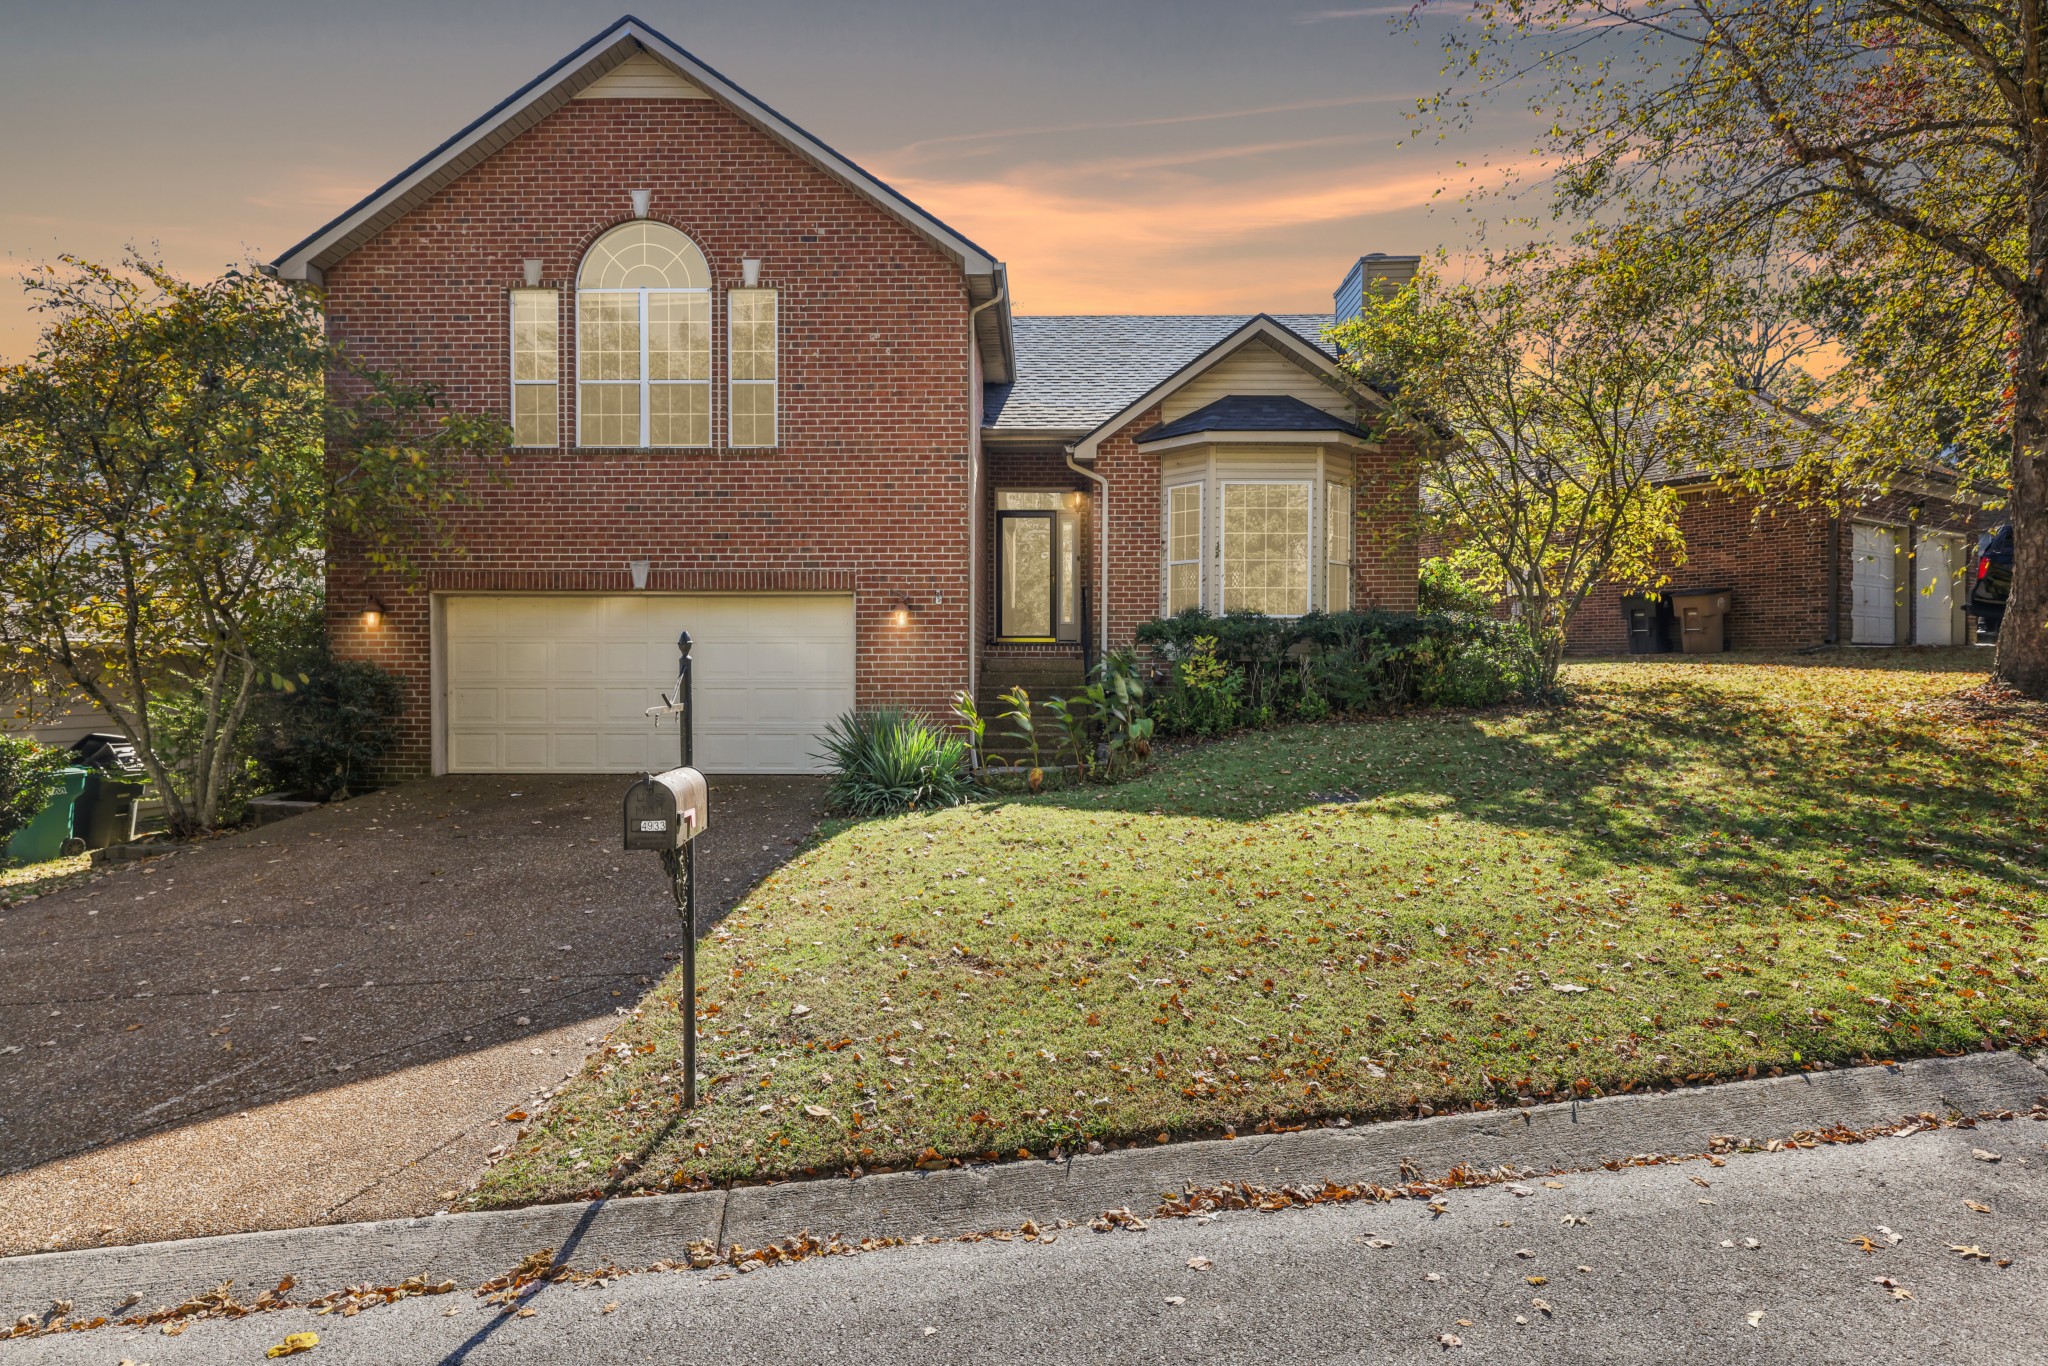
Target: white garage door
{"type": "Point", "coordinates": [1873, 585]}
{"type": "Point", "coordinates": [1937, 582]}
{"type": "Point", "coordinates": [561, 684]}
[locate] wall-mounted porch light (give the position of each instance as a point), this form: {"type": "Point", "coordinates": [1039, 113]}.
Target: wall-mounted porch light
{"type": "Point", "coordinates": [641, 200]}
{"type": "Point", "coordinates": [905, 609]}
{"type": "Point", "coordinates": [750, 271]}
{"type": "Point", "coordinates": [638, 569]}
{"type": "Point", "coordinates": [373, 613]}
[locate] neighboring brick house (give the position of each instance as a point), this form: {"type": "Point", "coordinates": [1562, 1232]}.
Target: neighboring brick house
{"type": "Point", "coordinates": [1890, 571]}
{"type": "Point", "coordinates": [760, 396]}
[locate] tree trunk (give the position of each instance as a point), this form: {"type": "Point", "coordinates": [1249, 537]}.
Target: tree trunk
{"type": "Point", "coordinates": [2022, 660]}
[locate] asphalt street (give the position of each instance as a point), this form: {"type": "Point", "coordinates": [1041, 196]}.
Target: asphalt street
{"type": "Point", "coordinates": [1773, 1257]}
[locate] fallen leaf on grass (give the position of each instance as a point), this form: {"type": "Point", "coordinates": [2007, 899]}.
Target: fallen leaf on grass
{"type": "Point", "coordinates": [1899, 1292]}
{"type": "Point", "coordinates": [1537, 1280]}
{"type": "Point", "coordinates": [1541, 1306]}
{"type": "Point", "coordinates": [293, 1344]}
{"type": "Point", "coordinates": [1553, 1185]}
{"type": "Point", "coordinates": [1983, 1156]}
{"type": "Point", "coordinates": [526, 1313]}
{"type": "Point", "coordinates": [1891, 1239]}
{"type": "Point", "coordinates": [1981, 1209]}
{"type": "Point", "coordinates": [1566, 986]}
{"type": "Point", "coordinates": [817, 1112]}
{"type": "Point", "coordinates": [1176, 1299]}
{"type": "Point", "coordinates": [1862, 1243]}
{"type": "Point", "coordinates": [610, 1305]}
{"type": "Point", "coordinates": [1755, 1317]}
{"type": "Point", "coordinates": [1969, 1252]}
{"type": "Point", "coordinates": [1199, 1264]}
{"type": "Point", "coordinates": [515, 1116]}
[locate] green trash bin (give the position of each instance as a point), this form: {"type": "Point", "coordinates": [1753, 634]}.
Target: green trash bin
{"type": "Point", "coordinates": [43, 838]}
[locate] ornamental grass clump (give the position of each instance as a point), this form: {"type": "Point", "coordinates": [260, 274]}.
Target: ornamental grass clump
{"type": "Point", "coordinates": [888, 760]}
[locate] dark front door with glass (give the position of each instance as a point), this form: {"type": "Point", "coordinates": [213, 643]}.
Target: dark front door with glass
{"type": "Point", "coordinates": [1037, 574]}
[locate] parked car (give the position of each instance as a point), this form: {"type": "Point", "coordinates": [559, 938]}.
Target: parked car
{"type": "Point", "coordinates": [1991, 580]}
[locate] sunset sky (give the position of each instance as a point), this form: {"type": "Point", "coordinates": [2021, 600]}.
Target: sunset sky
{"type": "Point", "coordinates": [1120, 155]}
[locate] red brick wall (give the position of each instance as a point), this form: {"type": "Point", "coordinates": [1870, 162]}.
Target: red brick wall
{"type": "Point", "coordinates": [868, 491]}
{"type": "Point", "coordinates": [1775, 559]}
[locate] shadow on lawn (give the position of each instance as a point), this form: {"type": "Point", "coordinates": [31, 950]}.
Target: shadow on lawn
{"type": "Point", "coordinates": [1674, 769]}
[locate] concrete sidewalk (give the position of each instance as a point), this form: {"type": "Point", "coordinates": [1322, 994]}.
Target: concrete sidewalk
{"type": "Point", "coordinates": [470, 1248]}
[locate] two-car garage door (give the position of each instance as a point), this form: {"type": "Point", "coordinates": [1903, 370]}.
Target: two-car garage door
{"type": "Point", "coordinates": [561, 683]}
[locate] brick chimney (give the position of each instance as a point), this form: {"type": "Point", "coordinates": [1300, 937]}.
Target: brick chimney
{"type": "Point", "coordinates": [1385, 275]}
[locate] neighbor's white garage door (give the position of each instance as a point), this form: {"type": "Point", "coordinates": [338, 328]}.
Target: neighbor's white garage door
{"type": "Point", "coordinates": [561, 684]}
{"type": "Point", "coordinates": [1874, 585]}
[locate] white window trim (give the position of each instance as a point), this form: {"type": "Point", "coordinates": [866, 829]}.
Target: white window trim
{"type": "Point", "coordinates": [1222, 538]}
{"type": "Point", "coordinates": [644, 383]}
{"type": "Point", "coordinates": [512, 363]}
{"type": "Point", "coordinates": [772, 384]}
{"type": "Point", "coordinates": [1201, 488]}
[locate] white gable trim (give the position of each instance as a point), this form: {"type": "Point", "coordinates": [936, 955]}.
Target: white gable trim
{"type": "Point", "coordinates": [1262, 327]}
{"type": "Point", "coordinates": [555, 87]}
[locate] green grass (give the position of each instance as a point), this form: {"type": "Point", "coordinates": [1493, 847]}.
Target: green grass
{"type": "Point", "coordinates": [1692, 870]}
{"type": "Point", "coordinates": [22, 881]}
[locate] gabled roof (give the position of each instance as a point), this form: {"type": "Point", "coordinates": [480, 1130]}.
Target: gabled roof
{"type": "Point", "coordinates": [560, 83]}
{"type": "Point", "coordinates": [1317, 359]}
{"type": "Point", "coordinates": [1253, 413]}
{"type": "Point", "coordinates": [1073, 372]}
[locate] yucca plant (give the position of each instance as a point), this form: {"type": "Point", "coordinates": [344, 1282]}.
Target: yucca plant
{"type": "Point", "coordinates": [889, 760]}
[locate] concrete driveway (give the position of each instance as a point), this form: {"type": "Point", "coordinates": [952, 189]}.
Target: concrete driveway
{"type": "Point", "coordinates": [327, 1019]}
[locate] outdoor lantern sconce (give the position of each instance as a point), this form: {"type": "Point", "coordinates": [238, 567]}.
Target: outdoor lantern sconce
{"type": "Point", "coordinates": [373, 613]}
{"type": "Point", "coordinates": [750, 271]}
{"type": "Point", "coordinates": [641, 200]}
{"type": "Point", "coordinates": [904, 610]}
{"type": "Point", "coordinates": [638, 569]}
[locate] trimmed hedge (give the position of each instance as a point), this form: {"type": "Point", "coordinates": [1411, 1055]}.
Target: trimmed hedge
{"type": "Point", "coordinates": [1244, 669]}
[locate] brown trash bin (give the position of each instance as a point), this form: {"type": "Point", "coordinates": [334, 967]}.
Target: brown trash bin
{"type": "Point", "coordinates": [1701, 616]}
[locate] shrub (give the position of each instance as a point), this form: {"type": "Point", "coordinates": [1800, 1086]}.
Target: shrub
{"type": "Point", "coordinates": [28, 775]}
{"type": "Point", "coordinates": [324, 731]}
{"type": "Point", "coordinates": [888, 760]}
{"type": "Point", "coordinates": [1444, 587]}
{"type": "Point", "coordinates": [1257, 670]}
{"type": "Point", "coordinates": [178, 723]}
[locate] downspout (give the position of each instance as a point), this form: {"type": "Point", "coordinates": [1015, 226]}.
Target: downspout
{"type": "Point", "coordinates": [974, 491]}
{"type": "Point", "coordinates": [1102, 551]}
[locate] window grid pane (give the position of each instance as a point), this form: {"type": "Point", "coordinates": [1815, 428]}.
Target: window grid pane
{"type": "Point", "coordinates": [1183, 547]}
{"type": "Point", "coordinates": [1266, 548]}
{"type": "Point", "coordinates": [608, 336]}
{"type": "Point", "coordinates": [679, 415]}
{"type": "Point", "coordinates": [644, 255]}
{"type": "Point", "coordinates": [1339, 532]}
{"type": "Point", "coordinates": [609, 414]}
{"type": "Point", "coordinates": [751, 353]}
{"type": "Point", "coordinates": [536, 364]}
{"type": "Point", "coordinates": [678, 334]}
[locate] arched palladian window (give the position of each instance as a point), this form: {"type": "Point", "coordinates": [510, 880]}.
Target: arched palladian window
{"type": "Point", "coordinates": [643, 340]}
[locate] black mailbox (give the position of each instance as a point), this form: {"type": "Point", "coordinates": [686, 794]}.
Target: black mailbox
{"type": "Point", "coordinates": [666, 810]}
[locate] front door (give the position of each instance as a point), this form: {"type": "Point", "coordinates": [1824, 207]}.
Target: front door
{"type": "Point", "coordinates": [1028, 584]}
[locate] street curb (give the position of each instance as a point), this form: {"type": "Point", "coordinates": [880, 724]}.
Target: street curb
{"type": "Point", "coordinates": [471, 1248]}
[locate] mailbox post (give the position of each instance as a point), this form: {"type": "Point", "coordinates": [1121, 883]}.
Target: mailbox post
{"type": "Point", "coordinates": [665, 812]}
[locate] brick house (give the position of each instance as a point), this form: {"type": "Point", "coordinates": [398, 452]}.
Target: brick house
{"type": "Point", "coordinates": [1888, 571]}
{"type": "Point", "coordinates": [760, 396]}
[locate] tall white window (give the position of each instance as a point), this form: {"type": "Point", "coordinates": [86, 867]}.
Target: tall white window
{"type": "Point", "coordinates": [1266, 543]}
{"type": "Point", "coordinates": [750, 339]}
{"type": "Point", "coordinates": [536, 368]}
{"type": "Point", "coordinates": [643, 340]}
{"type": "Point", "coordinates": [1339, 535]}
{"type": "Point", "coordinates": [1183, 547]}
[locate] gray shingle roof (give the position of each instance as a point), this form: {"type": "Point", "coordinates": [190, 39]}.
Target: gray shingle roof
{"type": "Point", "coordinates": [1075, 371]}
{"type": "Point", "coordinates": [1252, 413]}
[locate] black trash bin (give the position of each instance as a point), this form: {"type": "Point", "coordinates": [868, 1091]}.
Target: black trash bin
{"type": "Point", "coordinates": [1649, 621]}
{"type": "Point", "coordinates": [105, 812]}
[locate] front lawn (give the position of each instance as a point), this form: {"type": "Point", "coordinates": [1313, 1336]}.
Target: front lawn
{"type": "Point", "coordinates": [1693, 870]}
